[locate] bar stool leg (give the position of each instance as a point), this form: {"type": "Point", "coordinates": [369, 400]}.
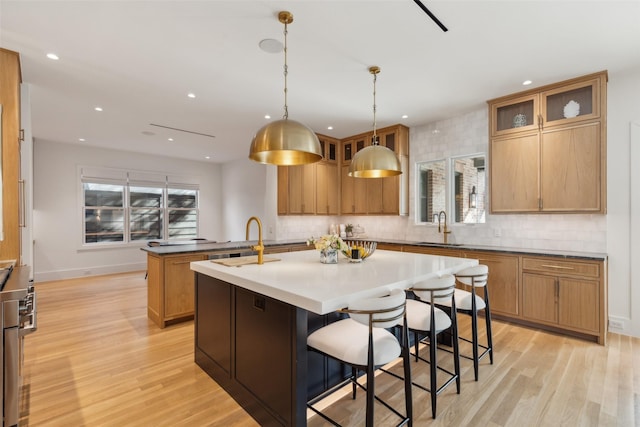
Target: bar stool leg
{"type": "Point", "coordinates": [487, 314]}
{"type": "Point", "coordinates": [433, 366]}
{"type": "Point", "coordinates": [408, 397]}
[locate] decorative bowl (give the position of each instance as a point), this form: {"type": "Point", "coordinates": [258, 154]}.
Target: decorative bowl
{"type": "Point", "coordinates": [367, 248]}
{"type": "Point", "coordinates": [519, 120]}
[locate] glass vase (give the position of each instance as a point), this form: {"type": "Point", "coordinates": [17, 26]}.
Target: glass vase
{"type": "Point", "coordinates": [329, 256]}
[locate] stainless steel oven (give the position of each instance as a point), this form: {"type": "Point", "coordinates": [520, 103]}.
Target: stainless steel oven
{"type": "Point", "coordinates": [18, 315]}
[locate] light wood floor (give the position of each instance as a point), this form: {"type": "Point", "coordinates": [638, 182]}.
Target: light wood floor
{"type": "Point", "coordinates": [97, 361]}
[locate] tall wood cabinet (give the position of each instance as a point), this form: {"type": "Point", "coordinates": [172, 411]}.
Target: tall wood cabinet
{"type": "Point", "coordinates": [311, 189]}
{"type": "Point", "coordinates": [328, 178]}
{"type": "Point", "coordinates": [381, 196]}
{"type": "Point", "coordinates": [548, 148]}
{"type": "Point", "coordinates": [353, 191]}
{"type": "Point", "coordinates": [10, 79]}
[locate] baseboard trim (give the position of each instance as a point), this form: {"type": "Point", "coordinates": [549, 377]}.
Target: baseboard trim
{"type": "Point", "coordinates": [48, 276]}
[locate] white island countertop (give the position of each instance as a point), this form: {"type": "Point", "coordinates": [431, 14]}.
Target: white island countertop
{"type": "Point", "coordinates": [300, 279]}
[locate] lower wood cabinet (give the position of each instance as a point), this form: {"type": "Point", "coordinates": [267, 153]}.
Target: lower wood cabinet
{"type": "Point", "coordinates": [170, 283]}
{"type": "Point", "coordinates": [503, 275]}
{"type": "Point", "coordinates": [170, 287]}
{"type": "Point", "coordinates": [504, 292]}
{"type": "Point", "coordinates": [566, 294]}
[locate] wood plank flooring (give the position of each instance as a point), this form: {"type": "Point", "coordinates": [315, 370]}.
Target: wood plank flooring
{"type": "Point", "coordinates": [96, 360]}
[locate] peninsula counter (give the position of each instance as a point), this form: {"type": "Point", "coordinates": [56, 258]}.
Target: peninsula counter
{"type": "Point", "coordinates": [252, 322]}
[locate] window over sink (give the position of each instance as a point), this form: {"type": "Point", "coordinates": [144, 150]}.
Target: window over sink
{"type": "Point", "coordinates": [456, 185]}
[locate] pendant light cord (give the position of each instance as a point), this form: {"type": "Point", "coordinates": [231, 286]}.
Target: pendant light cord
{"type": "Point", "coordinates": [375, 136]}
{"type": "Point", "coordinates": [286, 69]}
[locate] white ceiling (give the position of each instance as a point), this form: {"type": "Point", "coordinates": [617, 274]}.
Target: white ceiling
{"type": "Point", "coordinates": [139, 59]}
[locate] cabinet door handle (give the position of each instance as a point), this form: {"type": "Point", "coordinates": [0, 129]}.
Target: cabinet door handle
{"type": "Point", "coordinates": [560, 267]}
{"type": "Point", "coordinates": [22, 204]}
{"type": "Point", "coordinates": [180, 262]}
{"type": "Point", "coordinates": [259, 303]}
{"type": "Point", "coordinates": [540, 122]}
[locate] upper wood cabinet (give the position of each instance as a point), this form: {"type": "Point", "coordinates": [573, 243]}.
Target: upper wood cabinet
{"type": "Point", "coordinates": [314, 188]}
{"type": "Point", "coordinates": [325, 188]}
{"type": "Point", "coordinates": [328, 178]}
{"type": "Point", "coordinates": [380, 196]}
{"type": "Point", "coordinates": [548, 148]}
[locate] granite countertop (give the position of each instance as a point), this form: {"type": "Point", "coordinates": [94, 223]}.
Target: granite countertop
{"type": "Point", "coordinates": [186, 246]}
{"type": "Point", "coordinates": [178, 247]}
{"type": "Point", "coordinates": [502, 249]}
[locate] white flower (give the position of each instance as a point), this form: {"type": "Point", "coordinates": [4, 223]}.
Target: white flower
{"type": "Point", "coordinates": [328, 241]}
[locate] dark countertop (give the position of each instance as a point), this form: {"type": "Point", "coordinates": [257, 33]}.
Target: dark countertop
{"type": "Point", "coordinates": [503, 249]}
{"type": "Point", "coordinates": [187, 246]}
{"type": "Point", "coordinates": [179, 247]}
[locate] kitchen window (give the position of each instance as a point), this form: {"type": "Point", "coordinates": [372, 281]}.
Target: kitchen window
{"type": "Point", "coordinates": [128, 206]}
{"type": "Point", "coordinates": [456, 185]}
{"type": "Point", "coordinates": [103, 213]}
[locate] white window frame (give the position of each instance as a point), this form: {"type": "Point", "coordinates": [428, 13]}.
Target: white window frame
{"type": "Point", "coordinates": [133, 178]}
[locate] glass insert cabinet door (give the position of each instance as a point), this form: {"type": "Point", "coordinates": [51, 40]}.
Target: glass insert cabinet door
{"type": "Point", "coordinates": [576, 102]}
{"type": "Point", "coordinates": [515, 115]}
{"type": "Point", "coordinates": [537, 111]}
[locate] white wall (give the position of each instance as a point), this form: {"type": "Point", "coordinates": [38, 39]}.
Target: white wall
{"type": "Point", "coordinates": [623, 109]}
{"type": "Point", "coordinates": [57, 231]}
{"type": "Point", "coordinates": [248, 191]}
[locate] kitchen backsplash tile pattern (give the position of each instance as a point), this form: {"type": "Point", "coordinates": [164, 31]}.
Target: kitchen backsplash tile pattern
{"type": "Point", "coordinates": [463, 135]}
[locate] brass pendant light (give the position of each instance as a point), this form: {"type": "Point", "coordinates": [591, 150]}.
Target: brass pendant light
{"type": "Point", "coordinates": [374, 161]}
{"type": "Point", "coordinates": [285, 142]}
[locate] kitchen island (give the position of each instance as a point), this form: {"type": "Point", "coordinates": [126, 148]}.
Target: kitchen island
{"type": "Point", "coordinates": [252, 322]}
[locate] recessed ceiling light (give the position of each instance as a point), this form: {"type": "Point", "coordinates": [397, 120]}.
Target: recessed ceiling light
{"type": "Point", "coordinates": [53, 56]}
{"type": "Point", "coordinates": [435, 131]}
{"type": "Point", "coordinates": [526, 82]}
{"type": "Point", "coordinates": [191, 95]}
{"type": "Point", "coordinates": [271, 46]}
{"type": "Point", "coordinates": [404, 116]}
{"type": "Point", "coordinates": [207, 157]}
{"type": "Point", "coordinates": [330, 127]}
{"type": "Point", "coordinates": [266, 116]}
{"type": "Point", "coordinates": [170, 139]}
{"type": "Point", "coordinates": [98, 108]}
{"type": "Point", "coordinates": [81, 139]}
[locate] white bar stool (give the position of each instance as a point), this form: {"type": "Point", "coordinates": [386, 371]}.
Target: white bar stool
{"type": "Point", "coordinates": [362, 342]}
{"type": "Point", "coordinates": [426, 321]}
{"type": "Point", "coordinates": [470, 303]}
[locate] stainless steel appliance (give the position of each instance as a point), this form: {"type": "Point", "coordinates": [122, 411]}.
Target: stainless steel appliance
{"type": "Point", "coordinates": [18, 315]}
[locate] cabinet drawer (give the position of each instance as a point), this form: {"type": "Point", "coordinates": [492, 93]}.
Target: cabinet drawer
{"type": "Point", "coordinates": [560, 267]}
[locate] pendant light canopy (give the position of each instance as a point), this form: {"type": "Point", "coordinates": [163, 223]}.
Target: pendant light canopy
{"type": "Point", "coordinates": [374, 161]}
{"type": "Point", "coordinates": [285, 142]}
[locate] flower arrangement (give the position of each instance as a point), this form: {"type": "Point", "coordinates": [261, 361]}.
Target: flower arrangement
{"type": "Point", "coordinates": [328, 241]}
